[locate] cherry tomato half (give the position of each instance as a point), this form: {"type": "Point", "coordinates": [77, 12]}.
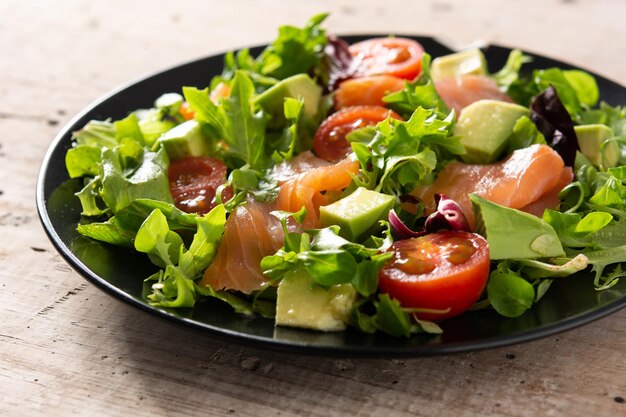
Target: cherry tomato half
{"type": "Point", "coordinates": [400, 57]}
{"type": "Point", "coordinates": [439, 271]}
{"type": "Point", "coordinates": [330, 141]}
{"type": "Point", "coordinates": [194, 181]}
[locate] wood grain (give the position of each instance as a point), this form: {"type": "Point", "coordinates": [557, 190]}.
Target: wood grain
{"type": "Point", "coordinates": [68, 349]}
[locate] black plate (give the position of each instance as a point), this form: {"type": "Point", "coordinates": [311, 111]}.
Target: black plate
{"type": "Point", "coordinates": [569, 303]}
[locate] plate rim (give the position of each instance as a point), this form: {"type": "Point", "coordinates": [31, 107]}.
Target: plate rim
{"type": "Point", "coordinates": [68, 256]}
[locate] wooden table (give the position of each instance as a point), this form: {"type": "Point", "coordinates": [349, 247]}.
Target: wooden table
{"type": "Point", "coordinates": [69, 349]}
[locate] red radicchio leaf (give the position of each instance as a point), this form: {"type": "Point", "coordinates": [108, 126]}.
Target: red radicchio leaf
{"type": "Point", "coordinates": [401, 230]}
{"type": "Point", "coordinates": [339, 60]}
{"type": "Point", "coordinates": [449, 216]}
{"type": "Point", "coordinates": [555, 123]}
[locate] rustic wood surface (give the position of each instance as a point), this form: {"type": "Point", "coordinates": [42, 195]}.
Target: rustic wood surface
{"type": "Point", "coordinates": [67, 348]}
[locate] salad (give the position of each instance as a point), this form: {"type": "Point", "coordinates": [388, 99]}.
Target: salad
{"type": "Point", "coordinates": [326, 185]}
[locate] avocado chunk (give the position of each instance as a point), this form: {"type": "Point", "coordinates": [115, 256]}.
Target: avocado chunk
{"type": "Point", "coordinates": [513, 234]}
{"type": "Point", "coordinates": [302, 303]}
{"type": "Point", "coordinates": [186, 139]}
{"type": "Point", "coordinates": [484, 127]}
{"type": "Point", "coordinates": [357, 213]}
{"type": "Point", "coordinates": [594, 145]}
{"type": "Point", "coordinates": [471, 61]}
{"type": "Point", "coordinates": [298, 86]}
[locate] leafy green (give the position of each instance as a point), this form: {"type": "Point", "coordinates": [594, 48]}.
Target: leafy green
{"type": "Point", "coordinates": [525, 134]}
{"type": "Point", "coordinates": [110, 231]}
{"type": "Point", "coordinates": [535, 269]}
{"type": "Point", "coordinates": [129, 128]}
{"type": "Point", "coordinates": [509, 293]}
{"type": "Point", "coordinates": [396, 155]}
{"type": "Point", "coordinates": [576, 89]}
{"type": "Point", "coordinates": [82, 161]}
{"type": "Point", "coordinates": [391, 318]}
{"type": "Point", "coordinates": [234, 120]}
{"type": "Point", "coordinates": [148, 180]}
{"type": "Point", "coordinates": [418, 93]}
{"type": "Point", "coordinates": [511, 70]}
{"type": "Point", "coordinates": [295, 50]}
{"type": "Point", "coordinates": [90, 199]}
{"type": "Point", "coordinates": [381, 312]}
{"type": "Point", "coordinates": [327, 257]}
{"type": "Point", "coordinates": [96, 133]}
{"type": "Point", "coordinates": [613, 117]}
{"type": "Point", "coordinates": [175, 286]}
{"type": "Point", "coordinates": [289, 140]}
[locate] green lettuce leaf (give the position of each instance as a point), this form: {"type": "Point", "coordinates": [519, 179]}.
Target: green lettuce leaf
{"type": "Point", "coordinates": [418, 93]}
{"type": "Point", "coordinates": [234, 120]}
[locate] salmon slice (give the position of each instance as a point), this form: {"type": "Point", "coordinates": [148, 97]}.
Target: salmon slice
{"type": "Point", "coordinates": [304, 162]}
{"type": "Point", "coordinates": [316, 188]}
{"type": "Point", "coordinates": [366, 91]}
{"type": "Point", "coordinates": [523, 178]}
{"type": "Point", "coordinates": [250, 234]}
{"type": "Point", "coordinates": [550, 200]}
{"type": "Point", "coordinates": [460, 92]}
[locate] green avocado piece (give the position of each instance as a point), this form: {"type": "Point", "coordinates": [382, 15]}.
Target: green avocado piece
{"type": "Point", "coordinates": [594, 145]}
{"type": "Point", "coordinates": [471, 61]}
{"type": "Point", "coordinates": [513, 234]}
{"type": "Point", "coordinates": [186, 139]}
{"type": "Point", "coordinates": [298, 86]}
{"type": "Point", "coordinates": [484, 127]}
{"type": "Point", "coordinates": [357, 213]}
{"type": "Point", "coordinates": [302, 303]}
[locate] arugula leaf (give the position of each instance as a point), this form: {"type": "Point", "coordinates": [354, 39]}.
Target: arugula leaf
{"type": "Point", "coordinates": [289, 141]}
{"type": "Point", "coordinates": [295, 50]}
{"type": "Point", "coordinates": [418, 93]}
{"type": "Point", "coordinates": [175, 286]}
{"type": "Point", "coordinates": [236, 121]}
{"type": "Point", "coordinates": [396, 156]}
{"type": "Point", "coordinates": [511, 70]}
{"type": "Point", "coordinates": [613, 117]}
{"type": "Point", "coordinates": [387, 315]}
{"type": "Point", "coordinates": [390, 318]}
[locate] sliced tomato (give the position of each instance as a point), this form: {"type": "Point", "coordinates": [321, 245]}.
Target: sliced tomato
{"type": "Point", "coordinates": [445, 271]}
{"type": "Point", "coordinates": [194, 181]}
{"type": "Point", "coordinates": [400, 57]}
{"type": "Point", "coordinates": [366, 91]}
{"type": "Point", "coordinates": [330, 141]}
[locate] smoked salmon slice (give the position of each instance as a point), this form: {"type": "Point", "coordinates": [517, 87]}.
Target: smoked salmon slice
{"type": "Point", "coordinates": [525, 177]}
{"type": "Point", "coordinates": [303, 162]}
{"type": "Point", "coordinates": [316, 188]}
{"type": "Point", "coordinates": [250, 234]}
{"type": "Point", "coordinates": [462, 91]}
{"type": "Point", "coordinates": [366, 91]}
